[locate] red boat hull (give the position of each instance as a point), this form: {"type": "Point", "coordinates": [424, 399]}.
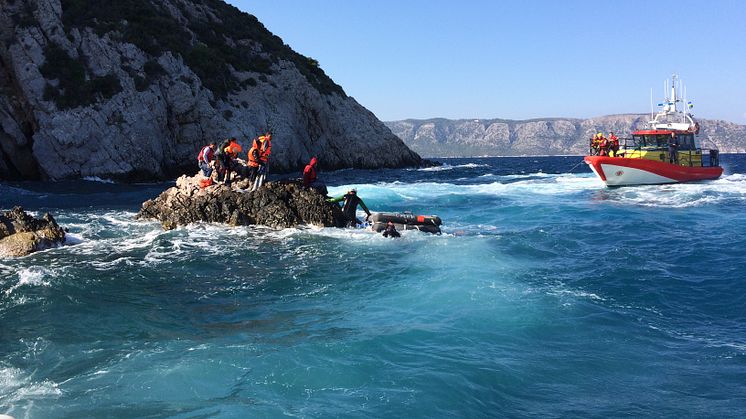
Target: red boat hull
{"type": "Point", "coordinates": [620, 171]}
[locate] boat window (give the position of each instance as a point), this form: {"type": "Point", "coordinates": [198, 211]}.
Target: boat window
{"type": "Point", "coordinates": [686, 142]}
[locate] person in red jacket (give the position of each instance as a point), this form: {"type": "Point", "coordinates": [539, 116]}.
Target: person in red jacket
{"type": "Point", "coordinates": [309, 173]}
{"type": "Point", "coordinates": [613, 144]}
{"type": "Point", "coordinates": [310, 177]}
{"type": "Point", "coordinates": [603, 148]}
{"type": "Point", "coordinates": [205, 157]}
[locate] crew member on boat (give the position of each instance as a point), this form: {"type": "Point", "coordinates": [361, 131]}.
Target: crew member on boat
{"type": "Point", "coordinates": [603, 145]}
{"type": "Point", "coordinates": [613, 143]}
{"type": "Point", "coordinates": [673, 149]}
{"type": "Point", "coordinates": [594, 145]}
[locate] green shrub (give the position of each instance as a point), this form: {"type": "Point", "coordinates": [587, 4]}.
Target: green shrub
{"type": "Point", "coordinates": [74, 89]}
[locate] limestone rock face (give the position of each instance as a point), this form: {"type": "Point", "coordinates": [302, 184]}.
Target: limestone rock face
{"type": "Point", "coordinates": [21, 234]}
{"type": "Point", "coordinates": [276, 204]}
{"type": "Point", "coordinates": [132, 89]}
{"type": "Point", "coordinates": [552, 136]}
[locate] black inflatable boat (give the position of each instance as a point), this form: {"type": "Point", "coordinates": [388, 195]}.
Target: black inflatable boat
{"type": "Point", "coordinates": [406, 221]}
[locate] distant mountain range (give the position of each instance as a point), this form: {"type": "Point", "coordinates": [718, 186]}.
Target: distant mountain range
{"type": "Point", "coordinates": [440, 137]}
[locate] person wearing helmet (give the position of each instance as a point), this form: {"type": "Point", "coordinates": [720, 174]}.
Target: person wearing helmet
{"type": "Point", "coordinates": [349, 208]}
{"type": "Point", "coordinates": [603, 145]}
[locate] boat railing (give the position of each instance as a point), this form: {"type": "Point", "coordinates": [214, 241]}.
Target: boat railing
{"type": "Point", "coordinates": [700, 157]}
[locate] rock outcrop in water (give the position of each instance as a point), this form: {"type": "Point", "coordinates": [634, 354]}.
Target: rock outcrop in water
{"type": "Point", "coordinates": [551, 136]}
{"type": "Point", "coordinates": [131, 89]}
{"type": "Point", "coordinates": [276, 204]}
{"type": "Point", "coordinates": [21, 234]}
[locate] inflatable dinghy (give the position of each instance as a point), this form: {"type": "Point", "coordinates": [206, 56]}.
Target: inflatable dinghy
{"type": "Point", "coordinates": [406, 221]}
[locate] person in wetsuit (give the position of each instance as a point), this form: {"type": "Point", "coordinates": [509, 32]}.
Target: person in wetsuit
{"type": "Point", "coordinates": [391, 230]}
{"type": "Point", "coordinates": [349, 208]}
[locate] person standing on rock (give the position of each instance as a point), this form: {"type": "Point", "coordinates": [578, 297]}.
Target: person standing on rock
{"type": "Point", "coordinates": [254, 158]}
{"type": "Point", "coordinates": [205, 158]}
{"type": "Point", "coordinates": [259, 154]}
{"type": "Point", "coordinates": [228, 160]}
{"type": "Point", "coordinates": [220, 158]}
{"type": "Point", "coordinates": [351, 201]}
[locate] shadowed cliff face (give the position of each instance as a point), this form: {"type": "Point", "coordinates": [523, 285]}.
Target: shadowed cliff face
{"type": "Point", "coordinates": [552, 136]}
{"type": "Point", "coordinates": [132, 89]}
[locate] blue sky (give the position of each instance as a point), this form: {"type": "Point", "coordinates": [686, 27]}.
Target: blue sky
{"type": "Point", "coordinates": [520, 59]}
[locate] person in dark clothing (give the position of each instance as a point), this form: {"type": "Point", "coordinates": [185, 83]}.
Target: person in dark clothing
{"type": "Point", "coordinates": [351, 201]}
{"type": "Point", "coordinates": [673, 149]}
{"type": "Point", "coordinates": [390, 231]}
{"type": "Point", "coordinates": [220, 160]}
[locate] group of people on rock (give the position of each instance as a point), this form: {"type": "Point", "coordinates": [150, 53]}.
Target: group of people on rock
{"type": "Point", "coordinates": [602, 146]}
{"type": "Point", "coordinates": [224, 162]}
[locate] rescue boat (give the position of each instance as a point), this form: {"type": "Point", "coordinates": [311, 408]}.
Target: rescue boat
{"type": "Point", "coordinates": [405, 221]}
{"type": "Point", "coordinates": [667, 151]}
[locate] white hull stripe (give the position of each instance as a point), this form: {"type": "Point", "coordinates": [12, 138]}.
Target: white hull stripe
{"type": "Point", "coordinates": [621, 175]}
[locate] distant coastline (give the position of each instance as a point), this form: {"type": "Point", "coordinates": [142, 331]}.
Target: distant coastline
{"type": "Point", "coordinates": [441, 137]}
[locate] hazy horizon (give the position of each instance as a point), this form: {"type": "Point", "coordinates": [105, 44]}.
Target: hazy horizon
{"type": "Point", "coordinates": [519, 60]}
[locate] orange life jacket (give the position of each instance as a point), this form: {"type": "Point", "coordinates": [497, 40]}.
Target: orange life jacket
{"type": "Point", "coordinates": [255, 152]}
{"type": "Point", "coordinates": [233, 149]}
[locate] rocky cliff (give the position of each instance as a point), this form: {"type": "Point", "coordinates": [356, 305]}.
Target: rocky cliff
{"type": "Point", "coordinates": [130, 90]}
{"type": "Point", "coordinates": [552, 136]}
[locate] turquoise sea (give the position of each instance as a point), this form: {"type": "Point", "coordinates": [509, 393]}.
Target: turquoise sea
{"type": "Point", "coordinates": [547, 295]}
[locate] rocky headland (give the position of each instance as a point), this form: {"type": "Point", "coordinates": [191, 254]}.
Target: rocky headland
{"type": "Point", "coordinates": [131, 89]}
{"type": "Point", "coordinates": [278, 204]}
{"type": "Point", "coordinates": [551, 136]}
{"type": "Point", "coordinates": [22, 234]}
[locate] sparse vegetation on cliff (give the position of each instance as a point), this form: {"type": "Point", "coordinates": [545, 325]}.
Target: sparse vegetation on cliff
{"type": "Point", "coordinates": [212, 44]}
{"type": "Point", "coordinates": [75, 87]}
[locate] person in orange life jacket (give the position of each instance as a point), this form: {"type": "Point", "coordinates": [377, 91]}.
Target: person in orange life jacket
{"type": "Point", "coordinates": [603, 146]}
{"type": "Point", "coordinates": [351, 201]}
{"type": "Point", "coordinates": [266, 149]}
{"type": "Point", "coordinates": [228, 158]}
{"type": "Point", "coordinates": [673, 149]}
{"type": "Point", "coordinates": [205, 158]}
{"type": "Point", "coordinates": [310, 177]}
{"type": "Point", "coordinates": [258, 155]}
{"type": "Point", "coordinates": [390, 230]}
{"type": "Point", "coordinates": [613, 143]}
{"type": "Point", "coordinates": [594, 145]}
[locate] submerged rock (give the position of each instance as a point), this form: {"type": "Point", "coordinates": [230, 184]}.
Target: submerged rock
{"type": "Point", "coordinates": [276, 204]}
{"type": "Point", "coordinates": [21, 234]}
